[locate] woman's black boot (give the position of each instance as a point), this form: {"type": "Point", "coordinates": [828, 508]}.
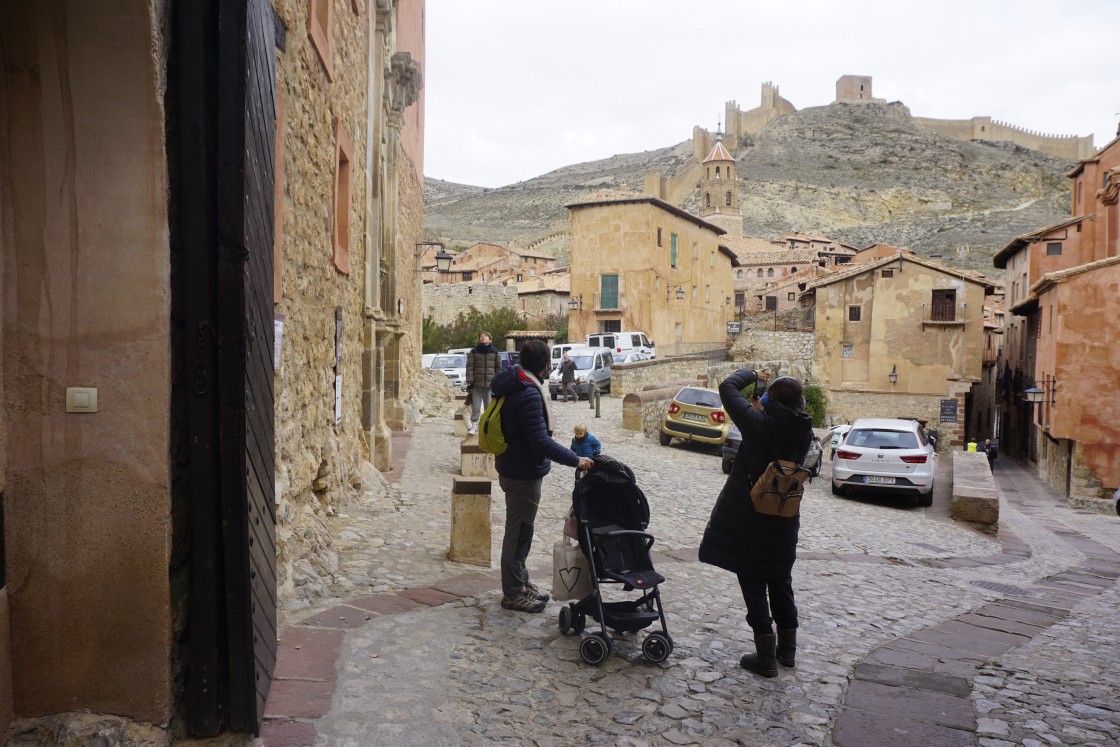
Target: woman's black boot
{"type": "Point", "coordinates": [787, 646]}
{"type": "Point", "coordinates": [764, 662]}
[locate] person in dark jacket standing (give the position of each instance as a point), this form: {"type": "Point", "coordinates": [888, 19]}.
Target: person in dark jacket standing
{"type": "Point", "coordinates": [521, 469]}
{"type": "Point", "coordinates": [483, 362]}
{"type": "Point", "coordinates": [568, 378]}
{"type": "Point", "coordinates": [760, 549]}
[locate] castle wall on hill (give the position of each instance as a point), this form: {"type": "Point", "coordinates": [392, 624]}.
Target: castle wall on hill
{"type": "Point", "coordinates": [738, 124]}
{"type": "Point", "coordinates": [444, 302]}
{"type": "Point", "coordinates": [1070, 147]}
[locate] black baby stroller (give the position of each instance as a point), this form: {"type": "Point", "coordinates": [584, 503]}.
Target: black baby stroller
{"type": "Point", "coordinates": [613, 513]}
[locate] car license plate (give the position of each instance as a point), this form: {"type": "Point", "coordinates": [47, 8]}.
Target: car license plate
{"type": "Point", "coordinates": [694, 417]}
{"type": "Point", "coordinates": [876, 480]}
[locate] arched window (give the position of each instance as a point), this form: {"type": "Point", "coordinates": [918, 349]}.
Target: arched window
{"type": "Point", "coordinates": [740, 275]}
{"type": "Point", "coordinates": [717, 172]}
{"type": "Point", "coordinates": [760, 272]}
{"type": "Point", "coordinates": [707, 199]}
{"type": "Point", "coordinates": [770, 273]}
{"type": "Point", "coordinates": [727, 199]}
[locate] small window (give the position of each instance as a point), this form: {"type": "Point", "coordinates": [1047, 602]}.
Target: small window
{"type": "Point", "coordinates": [739, 275]}
{"type": "Point", "coordinates": [760, 272]}
{"type": "Point", "coordinates": [791, 296]}
{"type": "Point", "coordinates": [853, 313]}
{"type": "Point", "coordinates": [322, 36]}
{"type": "Point", "coordinates": [695, 251]}
{"type": "Point", "coordinates": [770, 272]}
{"type": "Point", "coordinates": [467, 276]}
{"type": "Point", "coordinates": [672, 250]}
{"type": "Point", "coordinates": [341, 234]}
{"type": "Point", "coordinates": [712, 260]}
{"type": "Point", "coordinates": [847, 350]}
{"type": "Point", "coordinates": [727, 199]}
{"type": "Point", "coordinates": [771, 303]}
{"type": "Point", "coordinates": [707, 199]}
{"type": "Point", "coordinates": [659, 237]}
{"type": "Point", "coordinates": [519, 277]}
{"type": "Point", "coordinates": [717, 172]}
{"type": "Point", "coordinates": [1054, 249]}
{"type": "Point", "coordinates": [888, 273]}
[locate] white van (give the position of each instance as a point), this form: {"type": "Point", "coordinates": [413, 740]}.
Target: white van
{"type": "Point", "coordinates": [622, 342]}
{"type": "Point", "coordinates": [593, 367]}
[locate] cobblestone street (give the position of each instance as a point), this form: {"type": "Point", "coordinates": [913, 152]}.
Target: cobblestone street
{"type": "Point", "coordinates": [414, 649]}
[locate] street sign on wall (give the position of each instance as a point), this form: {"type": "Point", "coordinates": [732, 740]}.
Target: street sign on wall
{"type": "Point", "coordinates": [734, 328]}
{"type": "Point", "coordinates": [948, 411]}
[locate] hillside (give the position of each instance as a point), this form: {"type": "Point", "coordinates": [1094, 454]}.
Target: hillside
{"type": "Point", "coordinates": [859, 173]}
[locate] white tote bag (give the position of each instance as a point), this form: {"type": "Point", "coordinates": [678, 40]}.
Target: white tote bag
{"type": "Point", "coordinates": [571, 573]}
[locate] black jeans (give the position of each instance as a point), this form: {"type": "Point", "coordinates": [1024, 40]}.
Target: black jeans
{"type": "Point", "coordinates": [759, 607]}
{"type": "Point", "coordinates": [522, 499]}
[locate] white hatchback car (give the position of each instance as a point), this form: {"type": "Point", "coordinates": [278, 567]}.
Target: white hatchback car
{"type": "Point", "coordinates": [885, 455]}
{"type": "Point", "coordinates": [453, 367]}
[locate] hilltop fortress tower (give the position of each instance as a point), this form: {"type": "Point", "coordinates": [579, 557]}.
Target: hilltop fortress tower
{"type": "Point", "coordinates": [854, 89]}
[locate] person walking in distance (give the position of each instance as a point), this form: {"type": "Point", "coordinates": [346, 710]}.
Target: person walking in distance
{"type": "Point", "coordinates": [992, 452]}
{"type": "Point", "coordinates": [760, 549]}
{"type": "Point", "coordinates": [483, 362]}
{"type": "Point", "coordinates": [568, 378]}
{"type": "Point", "coordinates": [521, 469]}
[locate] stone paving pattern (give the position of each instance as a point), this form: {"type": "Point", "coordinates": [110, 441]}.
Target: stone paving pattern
{"type": "Point", "coordinates": [914, 629]}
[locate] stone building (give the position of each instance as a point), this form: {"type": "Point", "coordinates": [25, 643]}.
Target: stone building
{"type": "Point", "coordinates": [1060, 343]}
{"type": "Point", "coordinates": [489, 262]}
{"type": "Point", "coordinates": [719, 190]}
{"type": "Point", "coordinates": [543, 296]}
{"type": "Point", "coordinates": [207, 219]}
{"type": "Point", "coordinates": [639, 263]}
{"type": "Point", "coordinates": [900, 337]}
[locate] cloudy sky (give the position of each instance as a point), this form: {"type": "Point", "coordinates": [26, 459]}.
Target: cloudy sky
{"type": "Point", "coordinates": [516, 88]}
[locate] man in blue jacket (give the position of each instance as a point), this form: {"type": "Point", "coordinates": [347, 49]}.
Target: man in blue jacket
{"type": "Point", "coordinates": [521, 469]}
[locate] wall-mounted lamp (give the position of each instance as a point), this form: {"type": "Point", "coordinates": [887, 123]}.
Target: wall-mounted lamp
{"type": "Point", "coordinates": [576, 304]}
{"type": "Point", "coordinates": [893, 375]}
{"type": "Point", "coordinates": [727, 300]}
{"type": "Point", "coordinates": [679, 293]}
{"type": "Point", "coordinates": [1033, 395]}
{"type": "Point", "coordinates": [443, 260]}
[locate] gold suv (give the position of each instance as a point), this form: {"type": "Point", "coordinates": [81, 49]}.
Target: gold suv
{"type": "Point", "coordinates": [695, 414]}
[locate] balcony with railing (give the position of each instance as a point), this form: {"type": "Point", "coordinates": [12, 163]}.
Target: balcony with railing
{"type": "Point", "coordinates": [943, 315]}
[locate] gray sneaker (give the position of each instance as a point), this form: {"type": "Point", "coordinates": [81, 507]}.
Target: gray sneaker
{"type": "Point", "coordinates": [532, 590]}
{"type": "Point", "coordinates": [523, 602]}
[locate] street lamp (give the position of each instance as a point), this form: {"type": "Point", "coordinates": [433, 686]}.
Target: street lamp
{"type": "Point", "coordinates": [679, 293]}
{"type": "Point", "coordinates": [1033, 395]}
{"type": "Point", "coordinates": [576, 304]}
{"type": "Point", "coordinates": [443, 260]}
{"type": "Point", "coordinates": [893, 375]}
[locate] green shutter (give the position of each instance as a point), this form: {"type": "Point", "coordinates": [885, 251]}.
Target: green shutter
{"type": "Point", "coordinates": [673, 250]}
{"type": "Point", "coordinates": [608, 288]}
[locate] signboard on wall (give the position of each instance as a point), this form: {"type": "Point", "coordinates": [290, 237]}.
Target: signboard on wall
{"type": "Point", "coordinates": [734, 328]}
{"type": "Point", "coordinates": [948, 411]}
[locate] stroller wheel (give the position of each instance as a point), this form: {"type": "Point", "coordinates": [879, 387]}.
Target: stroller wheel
{"type": "Point", "coordinates": [565, 620]}
{"type": "Point", "coordinates": [595, 648]}
{"type": "Point", "coordinates": [579, 620]}
{"type": "Point", "coordinates": [657, 647]}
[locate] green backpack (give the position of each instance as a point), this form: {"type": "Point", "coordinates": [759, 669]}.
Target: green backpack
{"type": "Point", "coordinates": [490, 436]}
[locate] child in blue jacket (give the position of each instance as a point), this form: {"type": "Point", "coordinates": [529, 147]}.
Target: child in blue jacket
{"type": "Point", "coordinates": [584, 444]}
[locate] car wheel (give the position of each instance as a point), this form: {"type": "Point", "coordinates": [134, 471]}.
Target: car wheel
{"type": "Point", "coordinates": [665, 439]}
{"type": "Point", "coordinates": [926, 500]}
{"type": "Point", "coordinates": [836, 489]}
{"type": "Point", "coordinates": [727, 466]}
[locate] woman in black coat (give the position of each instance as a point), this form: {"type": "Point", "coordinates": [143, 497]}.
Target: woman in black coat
{"type": "Point", "coordinates": [760, 549]}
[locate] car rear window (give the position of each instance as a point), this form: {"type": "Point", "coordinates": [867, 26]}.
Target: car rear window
{"type": "Point", "coordinates": [698, 397]}
{"type": "Point", "coordinates": [450, 361]}
{"type": "Point", "coordinates": [881, 439]}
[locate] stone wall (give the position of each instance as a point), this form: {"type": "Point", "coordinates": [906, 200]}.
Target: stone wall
{"type": "Point", "coordinates": [643, 410]}
{"type": "Point", "coordinates": [1085, 488]}
{"type": "Point", "coordinates": [633, 377]}
{"type": "Point", "coordinates": [848, 406]}
{"type": "Point", "coordinates": [444, 302]}
{"type": "Point", "coordinates": [755, 344]}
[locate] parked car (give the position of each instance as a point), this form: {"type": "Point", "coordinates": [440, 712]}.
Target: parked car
{"type": "Point", "coordinates": [632, 357]}
{"type": "Point", "coordinates": [886, 455]}
{"type": "Point", "coordinates": [426, 359]}
{"type": "Point", "coordinates": [731, 448]}
{"type": "Point", "coordinates": [812, 461]}
{"type": "Point", "coordinates": [593, 368]}
{"type": "Point", "coordinates": [695, 414]}
{"type": "Point", "coordinates": [459, 351]}
{"type": "Point", "coordinates": [837, 437]}
{"type": "Point", "coordinates": [453, 367]}
{"type": "Point", "coordinates": [622, 342]}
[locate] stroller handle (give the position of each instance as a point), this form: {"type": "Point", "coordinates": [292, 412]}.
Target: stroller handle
{"type": "Point", "coordinates": [649, 538]}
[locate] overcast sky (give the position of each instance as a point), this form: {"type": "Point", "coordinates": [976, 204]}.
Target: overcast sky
{"type": "Point", "coordinates": [517, 88]}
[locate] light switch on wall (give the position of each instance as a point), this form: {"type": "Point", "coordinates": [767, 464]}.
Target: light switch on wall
{"type": "Point", "coordinates": [81, 399]}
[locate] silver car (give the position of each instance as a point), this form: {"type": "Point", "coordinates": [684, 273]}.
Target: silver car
{"type": "Point", "coordinates": [453, 367]}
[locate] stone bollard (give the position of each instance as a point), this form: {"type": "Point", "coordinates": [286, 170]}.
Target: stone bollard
{"type": "Point", "coordinates": [470, 521]}
{"type": "Point", "coordinates": [460, 425]}
{"type": "Point", "coordinates": [474, 462]}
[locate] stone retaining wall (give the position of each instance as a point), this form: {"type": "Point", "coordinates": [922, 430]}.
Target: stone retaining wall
{"type": "Point", "coordinates": [627, 378]}
{"type": "Point", "coordinates": [444, 302]}
{"type": "Point", "coordinates": [643, 410]}
{"type": "Point", "coordinates": [753, 344]}
{"type": "Point", "coordinates": [975, 497]}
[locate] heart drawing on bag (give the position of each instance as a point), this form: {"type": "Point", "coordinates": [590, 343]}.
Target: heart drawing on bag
{"type": "Point", "coordinates": [573, 574]}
